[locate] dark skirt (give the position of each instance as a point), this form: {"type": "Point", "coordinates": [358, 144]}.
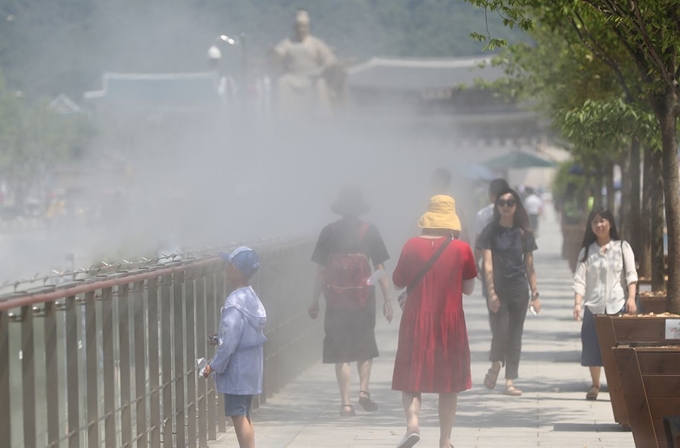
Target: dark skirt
{"type": "Point", "coordinates": [590, 354]}
{"type": "Point", "coordinates": [350, 334]}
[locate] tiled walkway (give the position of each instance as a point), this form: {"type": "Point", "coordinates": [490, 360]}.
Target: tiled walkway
{"type": "Point", "coordinates": [551, 413]}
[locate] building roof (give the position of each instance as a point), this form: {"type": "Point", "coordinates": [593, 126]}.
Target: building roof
{"type": "Point", "coordinates": [159, 90]}
{"type": "Point", "coordinates": [422, 74]}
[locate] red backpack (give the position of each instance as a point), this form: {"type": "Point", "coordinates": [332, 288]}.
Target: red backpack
{"type": "Point", "coordinates": [346, 275]}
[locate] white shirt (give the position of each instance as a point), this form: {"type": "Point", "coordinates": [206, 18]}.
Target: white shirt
{"type": "Point", "coordinates": [600, 278]}
{"type": "Point", "coordinates": [483, 218]}
{"type": "Point", "coordinates": [533, 204]}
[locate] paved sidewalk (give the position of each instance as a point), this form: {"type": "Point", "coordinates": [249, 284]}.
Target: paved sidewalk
{"type": "Point", "coordinates": [551, 413]}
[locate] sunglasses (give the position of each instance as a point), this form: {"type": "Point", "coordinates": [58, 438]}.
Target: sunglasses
{"type": "Point", "coordinates": [508, 202]}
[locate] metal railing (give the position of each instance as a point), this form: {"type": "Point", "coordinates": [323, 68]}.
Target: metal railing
{"type": "Point", "coordinates": [110, 360]}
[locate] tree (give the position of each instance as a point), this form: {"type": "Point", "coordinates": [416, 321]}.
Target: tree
{"type": "Point", "coordinates": [650, 35]}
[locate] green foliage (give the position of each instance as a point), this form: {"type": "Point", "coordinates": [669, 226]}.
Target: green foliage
{"type": "Point", "coordinates": [563, 178]}
{"type": "Point", "coordinates": [33, 139]}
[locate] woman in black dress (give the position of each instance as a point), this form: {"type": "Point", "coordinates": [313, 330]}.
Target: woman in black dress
{"type": "Point", "coordinates": [350, 330]}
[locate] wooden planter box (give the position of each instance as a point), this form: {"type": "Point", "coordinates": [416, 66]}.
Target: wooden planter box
{"type": "Point", "coordinates": [651, 387]}
{"type": "Point", "coordinates": [652, 303]}
{"type": "Point", "coordinates": [615, 330]}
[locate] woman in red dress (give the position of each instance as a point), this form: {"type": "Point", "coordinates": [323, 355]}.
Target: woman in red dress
{"type": "Point", "coordinates": [433, 354]}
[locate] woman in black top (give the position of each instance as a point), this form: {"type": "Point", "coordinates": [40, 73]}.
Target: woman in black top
{"type": "Point", "coordinates": [507, 244]}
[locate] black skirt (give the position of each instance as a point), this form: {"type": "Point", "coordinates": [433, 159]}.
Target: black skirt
{"type": "Point", "coordinates": [350, 334]}
{"type": "Point", "coordinates": [590, 354]}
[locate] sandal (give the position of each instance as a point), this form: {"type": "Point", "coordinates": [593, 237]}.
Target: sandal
{"type": "Point", "coordinates": [491, 378]}
{"type": "Point", "coordinates": [512, 391]}
{"type": "Point", "coordinates": [367, 402]}
{"type": "Point", "coordinates": [347, 410]}
{"type": "Point", "coordinates": [592, 393]}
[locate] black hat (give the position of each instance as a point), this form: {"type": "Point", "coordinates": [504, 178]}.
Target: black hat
{"type": "Point", "coordinates": [350, 202]}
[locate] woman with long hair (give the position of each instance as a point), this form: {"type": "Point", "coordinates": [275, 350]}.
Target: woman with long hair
{"type": "Point", "coordinates": [605, 282]}
{"type": "Point", "coordinates": [507, 246]}
{"type": "Point", "coordinates": [433, 355]}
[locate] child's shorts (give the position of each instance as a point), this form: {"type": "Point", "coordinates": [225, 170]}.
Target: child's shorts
{"type": "Point", "coordinates": [237, 405]}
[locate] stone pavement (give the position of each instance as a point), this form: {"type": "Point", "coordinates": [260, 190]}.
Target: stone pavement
{"type": "Point", "coordinates": [552, 412]}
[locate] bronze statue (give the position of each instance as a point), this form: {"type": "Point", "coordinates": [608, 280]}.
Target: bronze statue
{"type": "Point", "coordinates": [310, 75]}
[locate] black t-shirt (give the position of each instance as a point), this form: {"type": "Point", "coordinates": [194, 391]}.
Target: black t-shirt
{"type": "Point", "coordinates": [508, 246]}
{"type": "Point", "coordinates": [344, 237]}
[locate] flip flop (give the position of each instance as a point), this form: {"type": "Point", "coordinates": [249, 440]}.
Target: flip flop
{"type": "Point", "coordinates": [409, 440]}
{"type": "Point", "coordinates": [512, 391]}
{"type": "Point", "coordinates": [491, 378]}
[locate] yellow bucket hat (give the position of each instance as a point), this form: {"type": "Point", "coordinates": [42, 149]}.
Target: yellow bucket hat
{"type": "Point", "coordinates": [441, 214]}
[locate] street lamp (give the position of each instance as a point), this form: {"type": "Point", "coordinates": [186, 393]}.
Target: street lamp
{"type": "Point", "coordinates": [214, 52]}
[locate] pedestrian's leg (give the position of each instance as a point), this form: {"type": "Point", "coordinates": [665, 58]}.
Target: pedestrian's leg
{"type": "Point", "coordinates": [342, 373]}
{"type": "Point", "coordinates": [245, 431]}
{"type": "Point", "coordinates": [517, 311]}
{"type": "Point", "coordinates": [447, 415]}
{"type": "Point", "coordinates": [595, 373]}
{"type": "Point", "coordinates": [411, 402]}
{"type": "Point", "coordinates": [499, 341]}
{"type": "Point", "coordinates": [365, 400]}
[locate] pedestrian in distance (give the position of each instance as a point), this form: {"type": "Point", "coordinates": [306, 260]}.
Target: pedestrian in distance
{"type": "Point", "coordinates": [534, 207]}
{"type": "Point", "coordinates": [433, 355]}
{"type": "Point", "coordinates": [483, 219]}
{"type": "Point", "coordinates": [343, 253]}
{"type": "Point", "coordinates": [238, 362]}
{"type": "Point", "coordinates": [605, 282]}
{"type": "Point", "coordinates": [507, 246]}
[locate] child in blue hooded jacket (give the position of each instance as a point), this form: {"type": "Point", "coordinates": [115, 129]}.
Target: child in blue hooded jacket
{"type": "Point", "coordinates": [238, 362]}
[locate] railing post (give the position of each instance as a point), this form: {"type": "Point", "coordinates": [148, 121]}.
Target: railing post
{"type": "Point", "coordinates": [51, 373]}
{"type": "Point", "coordinates": [210, 326]}
{"type": "Point", "coordinates": [191, 355]}
{"type": "Point", "coordinates": [217, 306]}
{"type": "Point", "coordinates": [109, 368]}
{"type": "Point", "coordinates": [5, 405]}
{"type": "Point", "coordinates": [166, 360]}
{"type": "Point", "coordinates": [72, 373]}
{"type": "Point", "coordinates": [178, 350]}
{"type": "Point", "coordinates": [92, 369]}
{"type": "Point", "coordinates": [140, 363]}
{"type": "Point", "coordinates": [28, 376]}
{"type": "Point", "coordinates": [201, 352]}
{"type": "Point", "coordinates": [154, 372]}
{"type": "Point", "coordinates": [124, 364]}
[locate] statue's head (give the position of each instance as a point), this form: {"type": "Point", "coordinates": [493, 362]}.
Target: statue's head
{"type": "Point", "coordinates": [302, 24]}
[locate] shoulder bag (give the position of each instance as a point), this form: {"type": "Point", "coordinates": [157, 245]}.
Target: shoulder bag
{"type": "Point", "coordinates": [404, 295]}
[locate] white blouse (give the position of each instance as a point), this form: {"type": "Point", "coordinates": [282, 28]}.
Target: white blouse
{"type": "Point", "coordinates": [600, 278]}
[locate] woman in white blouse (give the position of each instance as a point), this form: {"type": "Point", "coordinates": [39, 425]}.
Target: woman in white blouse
{"type": "Point", "coordinates": [604, 283]}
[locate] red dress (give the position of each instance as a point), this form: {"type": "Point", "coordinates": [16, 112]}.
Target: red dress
{"type": "Point", "coordinates": [433, 353]}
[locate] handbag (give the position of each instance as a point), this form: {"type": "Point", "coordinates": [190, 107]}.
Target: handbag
{"type": "Point", "coordinates": [404, 295]}
{"type": "Point", "coordinates": [624, 283]}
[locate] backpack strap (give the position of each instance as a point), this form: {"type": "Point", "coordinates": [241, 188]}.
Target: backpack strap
{"type": "Point", "coordinates": [428, 265]}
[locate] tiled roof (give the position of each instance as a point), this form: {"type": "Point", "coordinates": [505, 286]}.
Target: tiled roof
{"type": "Point", "coordinates": [422, 74]}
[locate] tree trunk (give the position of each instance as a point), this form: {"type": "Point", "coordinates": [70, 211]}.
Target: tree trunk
{"type": "Point", "coordinates": [658, 268]}
{"type": "Point", "coordinates": [645, 255]}
{"type": "Point", "coordinates": [609, 178]}
{"type": "Point", "coordinates": [671, 182]}
{"type": "Point", "coordinates": [624, 211]}
{"type": "Point", "coordinates": [634, 218]}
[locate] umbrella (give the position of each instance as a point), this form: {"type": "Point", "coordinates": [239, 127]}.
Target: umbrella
{"type": "Point", "coordinates": [476, 171]}
{"type": "Point", "coordinates": [518, 160]}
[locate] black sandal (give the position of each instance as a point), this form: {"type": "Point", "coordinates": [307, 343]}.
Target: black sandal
{"type": "Point", "coordinates": [367, 403]}
{"type": "Point", "coordinates": [344, 412]}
